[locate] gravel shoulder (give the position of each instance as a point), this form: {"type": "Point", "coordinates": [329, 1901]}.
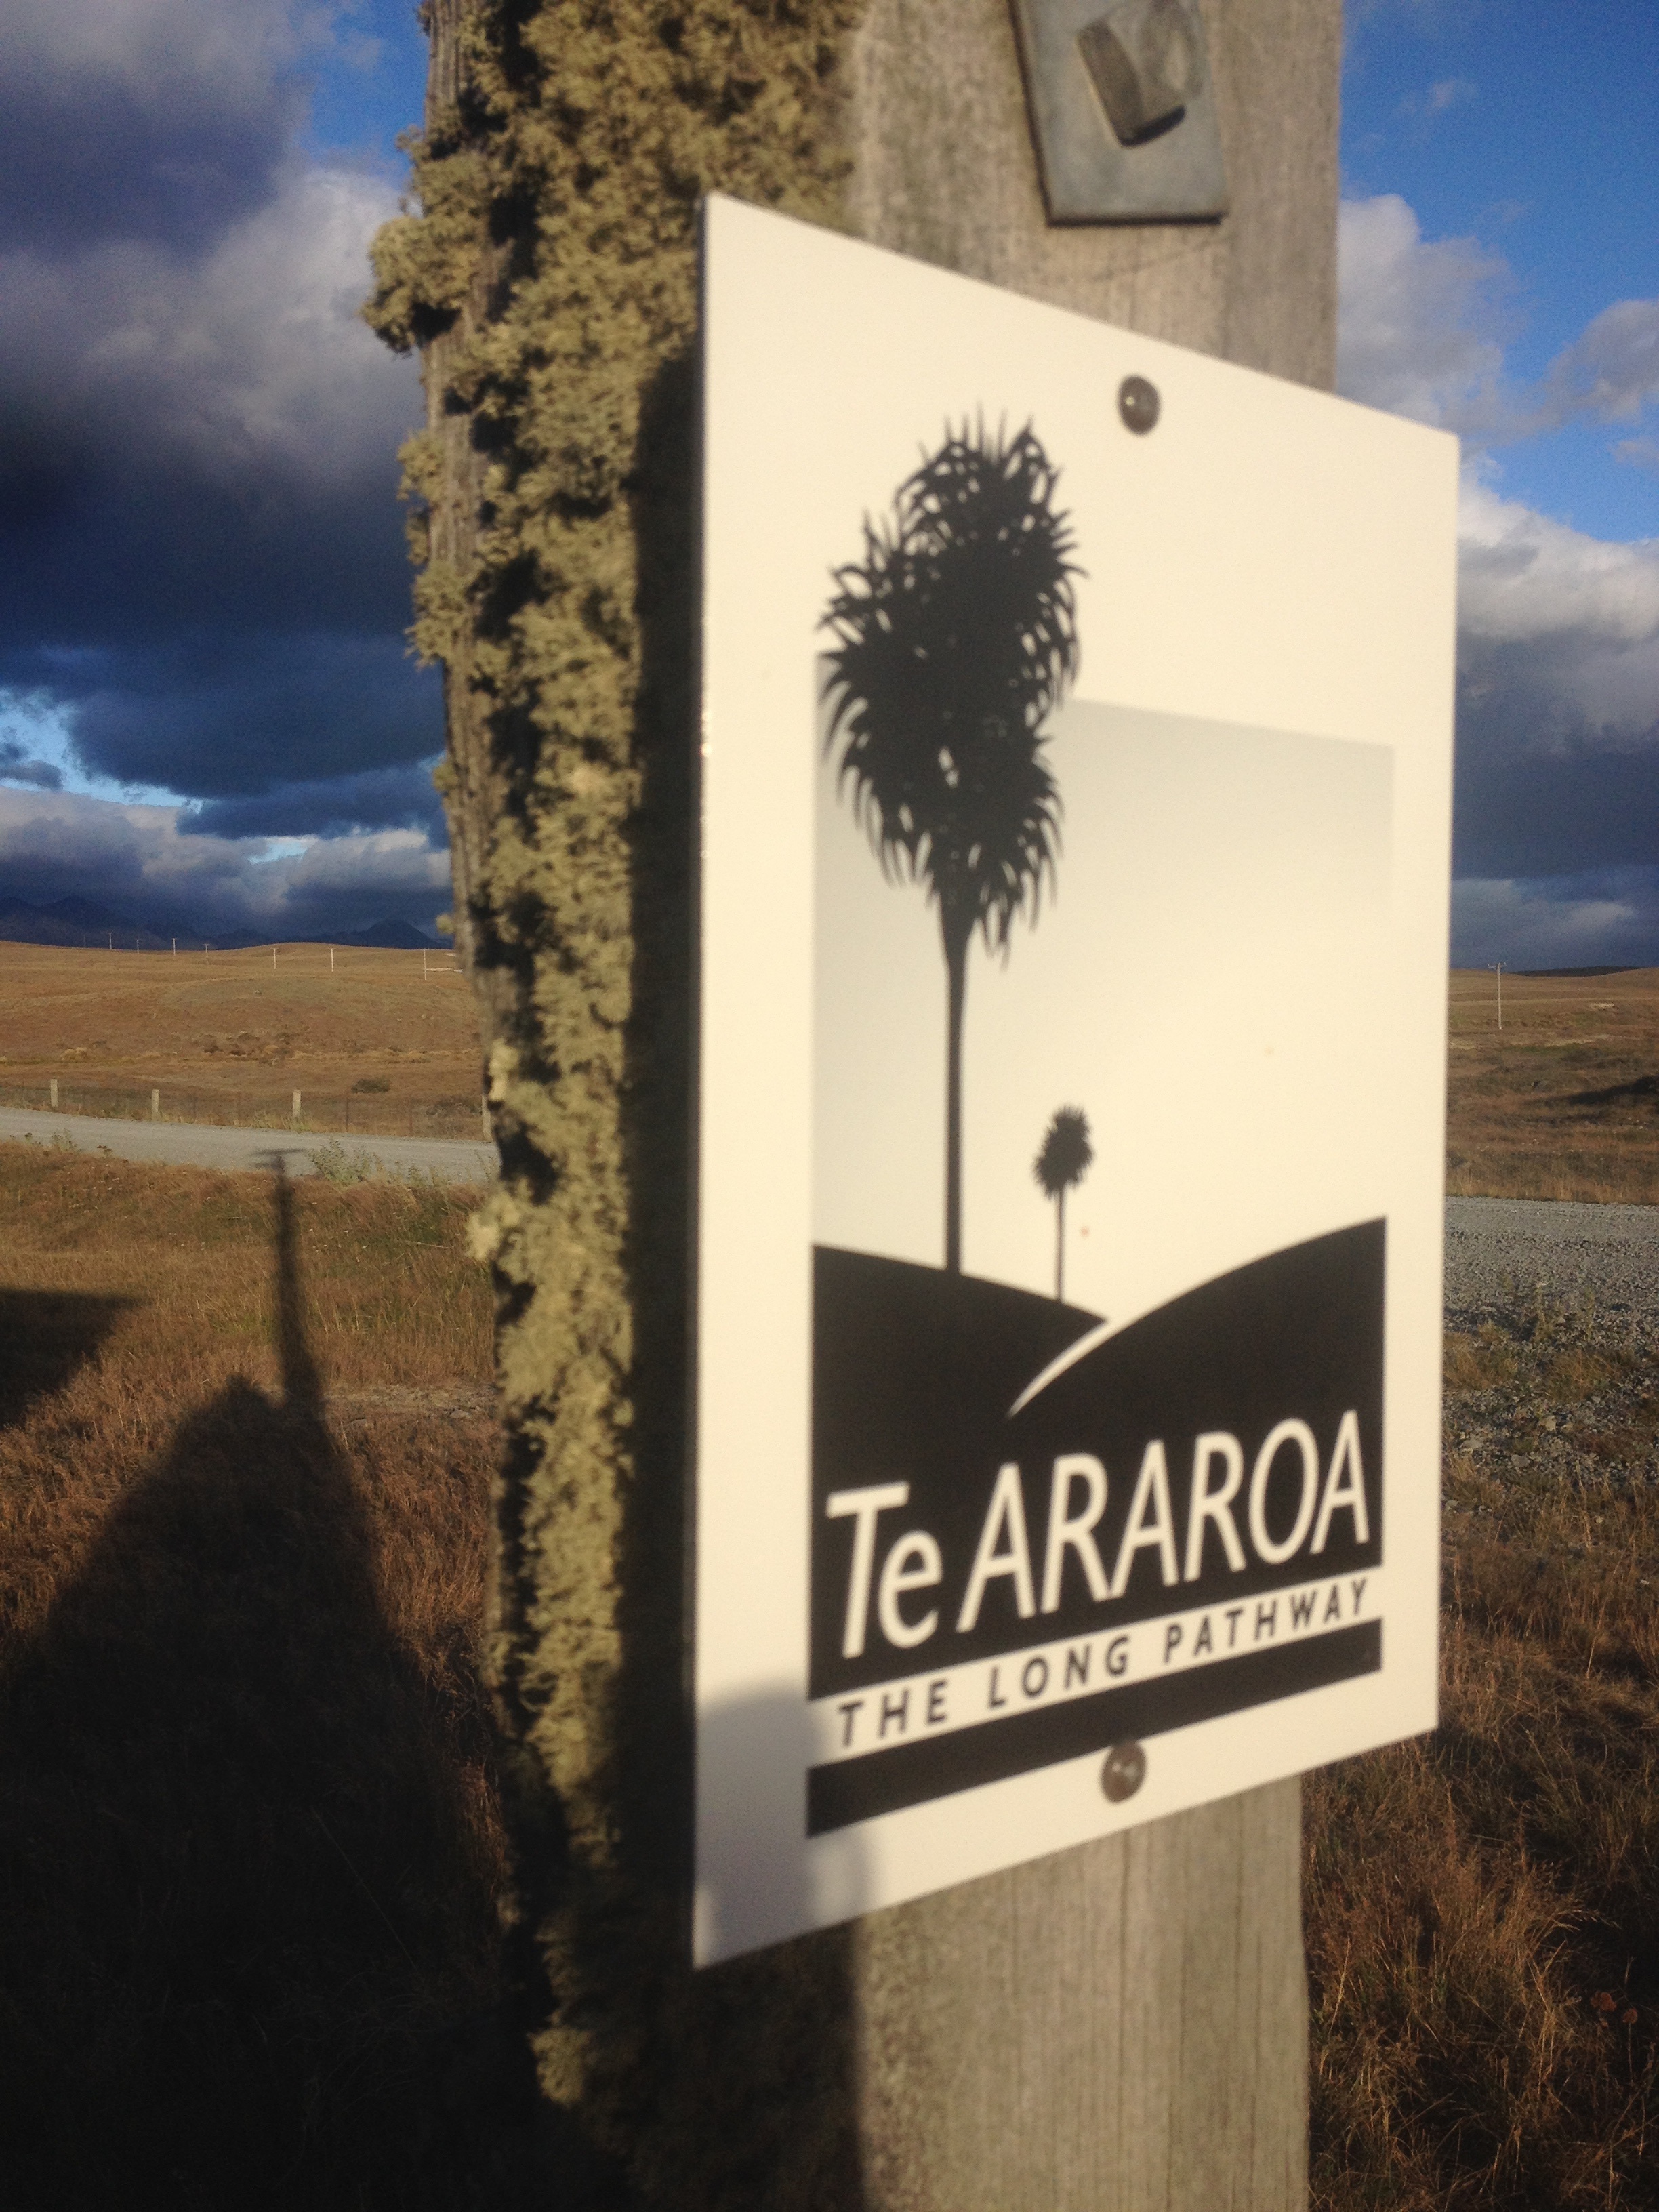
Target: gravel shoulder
{"type": "Point", "coordinates": [1499, 1251]}
{"type": "Point", "coordinates": [179, 1144]}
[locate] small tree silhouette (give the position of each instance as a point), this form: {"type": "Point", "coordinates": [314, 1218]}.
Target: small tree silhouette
{"type": "Point", "coordinates": [955, 637]}
{"type": "Point", "coordinates": [1065, 1157]}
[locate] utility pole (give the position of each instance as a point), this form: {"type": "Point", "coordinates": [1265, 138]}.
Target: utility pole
{"type": "Point", "coordinates": [1123, 2025]}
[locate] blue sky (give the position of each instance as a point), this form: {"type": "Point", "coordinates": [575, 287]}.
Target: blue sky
{"type": "Point", "coordinates": [370, 88]}
{"type": "Point", "coordinates": [207, 707]}
{"type": "Point", "coordinates": [1533, 129]}
{"type": "Point", "coordinates": [1500, 276]}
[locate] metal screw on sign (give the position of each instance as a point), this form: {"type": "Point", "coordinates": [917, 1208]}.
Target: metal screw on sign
{"type": "Point", "coordinates": [1123, 1772]}
{"type": "Point", "coordinates": [1138, 405]}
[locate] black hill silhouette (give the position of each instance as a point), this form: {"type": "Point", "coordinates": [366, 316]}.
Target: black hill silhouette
{"type": "Point", "coordinates": [1065, 1157]}
{"type": "Point", "coordinates": [249, 1950]}
{"type": "Point", "coordinates": [955, 638]}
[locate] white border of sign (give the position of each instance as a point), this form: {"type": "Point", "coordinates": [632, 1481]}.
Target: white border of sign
{"type": "Point", "coordinates": [1281, 560]}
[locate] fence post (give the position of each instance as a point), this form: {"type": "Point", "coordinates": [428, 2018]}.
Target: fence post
{"type": "Point", "coordinates": [296, 1110]}
{"type": "Point", "coordinates": [156, 1105]}
{"type": "Point", "coordinates": [54, 1094]}
{"type": "Point", "coordinates": [1120, 2028]}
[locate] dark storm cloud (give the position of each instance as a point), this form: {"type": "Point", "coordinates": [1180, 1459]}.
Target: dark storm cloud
{"type": "Point", "coordinates": [379, 798]}
{"type": "Point", "coordinates": [223, 715]}
{"type": "Point", "coordinates": [142, 118]}
{"type": "Point", "coordinates": [1565, 816]}
{"type": "Point", "coordinates": [1557, 725]}
{"type": "Point", "coordinates": [203, 575]}
{"type": "Point", "coordinates": [203, 435]}
{"type": "Point", "coordinates": [18, 765]}
{"type": "Point", "coordinates": [189, 441]}
{"type": "Point", "coordinates": [1602, 918]}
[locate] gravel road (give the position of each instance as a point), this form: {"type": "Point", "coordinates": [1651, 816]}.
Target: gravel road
{"type": "Point", "coordinates": [1497, 1250]}
{"type": "Point", "coordinates": [187, 1144]}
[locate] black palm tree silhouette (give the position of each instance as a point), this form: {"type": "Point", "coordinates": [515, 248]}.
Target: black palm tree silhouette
{"type": "Point", "coordinates": [1065, 1157]}
{"type": "Point", "coordinates": [955, 637]}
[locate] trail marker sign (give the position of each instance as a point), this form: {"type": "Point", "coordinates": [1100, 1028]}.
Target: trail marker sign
{"type": "Point", "coordinates": [1076, 791]}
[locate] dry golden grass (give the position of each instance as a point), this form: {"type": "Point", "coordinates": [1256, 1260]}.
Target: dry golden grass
{"type": "Point", "coordinates": [1564, 1102]}
{"type": "Point", "coordinates": [1483, 1905]}
{"type": "Point", "coordinates": [250, 1848]}
{"type": "Point", "coordinates": [251, 1855]}
{"type": "Point", "coordinates": [238, 1025]}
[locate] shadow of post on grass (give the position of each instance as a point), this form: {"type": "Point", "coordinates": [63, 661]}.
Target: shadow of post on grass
{"type": "Point", "coordinates": [248, 1945]}
{"type": "Point", "coordinates": [44, 1337]}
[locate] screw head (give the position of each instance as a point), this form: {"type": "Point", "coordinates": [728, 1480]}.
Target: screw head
{"type": "Point", "coordinates": [1138, 405]}
{"type": "Point", "coordinates": [1122, 1771]}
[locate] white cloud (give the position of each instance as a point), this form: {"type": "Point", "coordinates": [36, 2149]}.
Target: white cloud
{"type": "Point", "coordinates": [56, 843]}
{"type": "Point", "coordinates": [1557, 719]}
{"type": "Point", "coordinates": [1558, 658]}
{"type": "Point", "coordinates": [1448, 92]}
{"type": "Point", "coordinates": [1612, 371]}
{"type": "Point", "coordinates": [1420, 324]}
{"type": "Point", "coordinates": [171, 56]}
{"type": "Point", "coordinates": [247, 362]}
{"type": "Point", "coordinates": [1523, 576]}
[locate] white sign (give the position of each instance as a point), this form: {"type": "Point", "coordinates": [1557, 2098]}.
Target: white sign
{"type": "Point", "coordinates": [1076, 791]}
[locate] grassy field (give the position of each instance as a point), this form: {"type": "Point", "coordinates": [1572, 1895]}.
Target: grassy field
{"type": "Point", "coordinates": [253, 1868]}
{"type": "Point", "coordinates": [251, 1855]}
{"type": "Point", "coordinates": [232, 1035]}
{"type": "Point", "coordinates": [1563, 1101]}
{"type": "Point", "coordinates": [1482, 1904]}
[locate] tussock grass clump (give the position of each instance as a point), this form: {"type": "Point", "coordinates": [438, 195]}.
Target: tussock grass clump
{"type": "Point", "coordinates": [1482, 1904]}
{"type": "Point", "coordinates": [252, 1858]}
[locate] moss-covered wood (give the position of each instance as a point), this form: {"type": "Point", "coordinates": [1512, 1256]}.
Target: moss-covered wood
{"type": "Point", "coordinates": [548, 275]}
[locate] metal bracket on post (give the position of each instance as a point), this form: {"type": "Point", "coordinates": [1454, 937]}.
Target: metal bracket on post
{"type": "Point", "coordinates": [1122, 110]}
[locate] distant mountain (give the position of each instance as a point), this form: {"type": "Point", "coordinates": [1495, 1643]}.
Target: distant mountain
{"type": "Point", "coordinates": [393, 937]}
{"type": "Point", "coordinates": [81, 921]}
{"type": "Point", "coordinates": [1626, 970]}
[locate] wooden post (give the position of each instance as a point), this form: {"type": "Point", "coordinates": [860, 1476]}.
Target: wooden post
{"type": "Point", "coordinates": [1121, 2026]}
{"type": "Point", "coordinates": [54, 1094]}
{"type": "Point", "coordinates": [156, 1105]}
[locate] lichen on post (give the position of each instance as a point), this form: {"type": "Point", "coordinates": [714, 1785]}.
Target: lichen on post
{"type": "Point", "coordinates": [548, 277]}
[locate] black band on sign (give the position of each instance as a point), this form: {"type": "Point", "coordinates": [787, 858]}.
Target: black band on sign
{"type": "Point", "coordinates": [914, 1773]}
